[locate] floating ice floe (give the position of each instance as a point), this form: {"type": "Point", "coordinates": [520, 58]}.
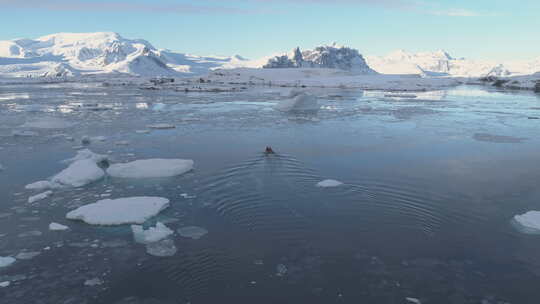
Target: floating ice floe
{"type": "Point", "coordinates": [28, 255]}
{"type": "Point", "coordinates": [192, 232]}
{"type": "Point", "coordinates": [128, 210]}
{"type": "Point", "coordinates": [329, 183]}
{"type": "Point", "coordinates": [87, 154]}
{"type": "Point", "coordinates": [93, 282]}
{"type": "Point", "coordinates": [47, 123]}
{"type": "Point", "coordinates": [39, 185]}
{"type": "Point", "coordinates": [6, 261]}
{"type": "Point", "coordinates": [5, 284]}
{"type": "Point", "coordinates": [78, 174]}
{"type": "Point", "coordinates": [413, 300]}
{"type": "Point", "coordinates": [163, 248]}
{"type": "Point", "coordinates": [18, 133]}
{"type": "Point", "coordinates": [150, 235]}
{"type": "Point", "coordinates": [142, 131]}
{"type": "Point", "coordinates": [528, 222]}
{"type": "Point", "coordinates": [149, 168]}
{"type": "Point", "coordinates": [57, 227]}
{"type": "Point", "coordinates": [39, 197]}
{"type": "Point", "coordinates": [122, 143]}
{"type": "Point", "coordinates": [161, 126]}
{"type": "Point", "coordinates": [98, 138]}
{"type": "Point", "coordinates": [301, 102]}
{"type": "Point", "coordinates": [83, 170]}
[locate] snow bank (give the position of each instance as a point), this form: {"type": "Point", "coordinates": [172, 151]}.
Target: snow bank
{"type": "Point", "coordinates": [57, 227]}
{"type": "Point", "coordinates": [329, 183]}
{"type": "Point", "coordinates": [150, 235]}
{"type": "Point", "coordinates": [529, 221]}
{"type": "Point", "coordinates": [300, 102]}
{"type": "Point", "coordinates": [6, 261]}
{"type": "Point", "coordinates": [150, 168]}
{"type": "Point", "coordinates": [192, 232]}
{"type": "Point", "coordinates": [39, 197]}
{"type": "Point", "coordinates": [129, 210]}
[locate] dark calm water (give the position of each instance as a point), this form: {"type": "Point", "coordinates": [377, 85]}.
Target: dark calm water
{"type": "Point", "coordinates": [430, 188]}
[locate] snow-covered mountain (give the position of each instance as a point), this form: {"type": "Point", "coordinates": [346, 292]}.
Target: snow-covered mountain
{"type": "Point", "coordinates": [329, 56]}
{"type": "Point", "coordinates": [440, 63]}
{"type": "Point", "coordinates": [68, 54]}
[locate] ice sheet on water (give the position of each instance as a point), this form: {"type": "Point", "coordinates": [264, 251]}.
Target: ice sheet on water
{"type": "Point", "coordinates": [192, 232]}
{"type": "Point", "coordinates": [5, 284]}
{"type": "Point", "coordinates": [161, 126]}
{"type": "Point", "coordinates": [6, 261]}
{"type": "Point", "coordinates": [129, 210]}
{"type": "Point", "coordinates": [39, 197]}
{"type": "Point", "coordinates": [19, 133]}
{"type": "Point", "coordinates": [163, 248]}
{"type": "Point", "coordinates": [329, 183]}
{"type": "Point", "coordinates": [57, 227]}
{"type": "Point", "coordinates": [151, 168]}
{"type": "Point", "coordinates": [302, 102]}
{"type": "Point", "coordinates": [87, 154]}
{"type": "Point", "coordinates": [47, 123]}
{"type": "Point", "coordinates": [528, 222]}
{"type": "Point", "coordinates": [28, 255]}
{"type": "Point", "coordinates": [150, 235]}
{"type": "Point", "coordinates": [78, 174]}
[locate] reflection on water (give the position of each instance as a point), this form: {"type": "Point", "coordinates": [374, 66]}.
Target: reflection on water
{"type": "Point", "coordinates": [429, 191]}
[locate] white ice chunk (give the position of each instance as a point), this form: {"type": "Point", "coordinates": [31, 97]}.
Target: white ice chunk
{"type": "Point", "coordinates": [329, 183]}
{"type": "Point", "coordinates": [57, 227]}
{"type": "Point", "coordinates": [5, 284]}
{"type": "Point", "coordinates": [6, 261]}
{"type": "Point", "coordinates": [86, 154]}
{"type": "Point", "coordinates": [39, 185]}
{"type": "Point", "coordinates": [300, 102]}
{"type": "Point", "coordinates": [39, 197]}
{"type": "Point", "coordinates": [163, 248]}
{"type": "Point", "coordinates": [529, 221]}
{"type": "Point", "coordinates": [192, 232]}
{"type": "Point", "coordinates": [78, 174]}
{"type": "Point", "coordinates": [413, 300]}
{"type": "Point", "coordinates": [161, 126]}
{"type": "Point", "coordinates": [93, 282]}
{"type": "Point", "coordinates": [27, 255]}
{"type": "Point", "coordinates": [18, 133]}
{"type": "Point", "coordinates": [152, 234]}
{"type": "Point", "coordinates": [129, 210]}
{"type": "Point", "coordinates": [47, 123]}
{"type": "Point", "coordinates": [148, 168]}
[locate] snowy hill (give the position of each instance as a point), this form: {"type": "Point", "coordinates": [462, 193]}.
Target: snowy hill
{"type": "Point", "coordinates": [68, 54]}
{"type": "Point", "coordinates": [440, 63]}
{"type": "Point", "coordinates": [330, 57]}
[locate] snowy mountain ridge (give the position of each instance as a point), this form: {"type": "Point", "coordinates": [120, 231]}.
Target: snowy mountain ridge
{"type": "Point", "coordinates": [440, 63]}
{"type": "Point", "coordinates": [69, 54]}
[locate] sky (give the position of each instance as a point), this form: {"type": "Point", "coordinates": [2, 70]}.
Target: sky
{"type": "Point", "coordinates": [475, 29]}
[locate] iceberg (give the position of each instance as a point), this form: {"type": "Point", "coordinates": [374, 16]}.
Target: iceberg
{"type": "Point", "coordinates": [128, 210]}
{"type": "Point", "coordinates": [151, 168]}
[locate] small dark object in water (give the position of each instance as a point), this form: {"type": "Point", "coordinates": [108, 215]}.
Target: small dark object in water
{"type": "Point", "coordinates": [269, 150]}
{"type": "Point", "coordinates": [533, 117]}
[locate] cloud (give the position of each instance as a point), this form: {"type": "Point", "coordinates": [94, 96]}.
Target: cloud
{"type": "Point", "coordinates": [122, 6]}
{"type": "Point", "coordinates": [457, 13]}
